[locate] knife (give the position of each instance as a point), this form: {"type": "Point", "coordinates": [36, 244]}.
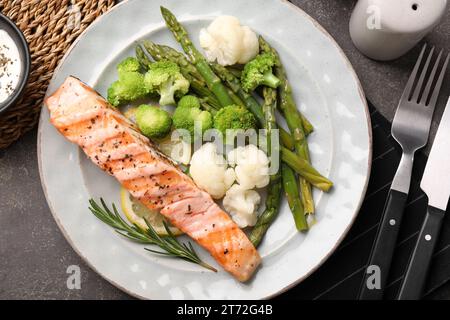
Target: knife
{"type": "Point", "coordinates": [436, 184]}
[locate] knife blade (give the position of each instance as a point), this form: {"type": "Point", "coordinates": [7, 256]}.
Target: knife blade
{"type": "Point", "coordinates": [436, 177]}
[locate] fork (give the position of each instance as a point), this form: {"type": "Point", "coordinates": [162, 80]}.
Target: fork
{"type": "Point", "coordinates": [410, 128]}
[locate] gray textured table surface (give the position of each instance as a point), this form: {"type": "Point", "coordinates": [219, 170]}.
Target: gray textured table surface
{"type": "Point", "coordinates": [34, 256]}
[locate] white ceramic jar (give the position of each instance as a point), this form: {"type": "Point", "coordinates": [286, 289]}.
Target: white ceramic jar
{"type": "Point", "coordinates": [387, 29]}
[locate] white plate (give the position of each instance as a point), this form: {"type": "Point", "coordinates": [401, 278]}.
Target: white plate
{"type": "Point", "coordinates": [327, 91]}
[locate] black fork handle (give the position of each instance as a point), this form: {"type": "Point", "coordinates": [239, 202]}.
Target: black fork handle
{"type": "Point", "coordinates": [383, 249]}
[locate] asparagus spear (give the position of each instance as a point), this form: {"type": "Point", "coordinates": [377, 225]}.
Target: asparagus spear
{"type": "Point", "coordinates": [294, 122]}
{"type": "Point", "coordinates": [204, 93]}
{"type": "Point", "coordinates": [142, 57]}
{"type": "Point", "coordinates": [307, 126]}
{"type": "Point", "coordinates": [295, 203]}
{"type": "Point", "coordinates": [236, 72]}
{"type": "Point", "coordinates": [160, 52]}
{"type": "Point", "coordinates": [269, 107]}
{"type": "Point", "coordinates": [267, 217]}
{"type": "Point", "coordinates": [304, 169]}
{"type": "Point", "coordinates": [236, 99]}
{"type": "Point", "coordinates": [189, 72]}
{"type": "Point", "coordinates": [197, 59]}
{"type": "Point", "coordinates": [274, 192]}
{"type": "Point", "coordinates": [207, 106]}
{"type": "Point", "coordinates": [286, 139]}
{"type": "Point", "coordinates": [301, 145]}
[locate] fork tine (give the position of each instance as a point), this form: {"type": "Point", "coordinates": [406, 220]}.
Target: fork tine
{"type": "Point", "coordinates": [426, 92]}
{"type": "Point", "coordinates": [412, 77]}
{"type": "Point", "coordinates": [439, 82]}
{"type": "Point", "coordinates": [418, 88]}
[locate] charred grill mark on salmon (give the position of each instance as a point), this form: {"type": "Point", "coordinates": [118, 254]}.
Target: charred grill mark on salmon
{"type": "Point", "coordinates": [114, 144]}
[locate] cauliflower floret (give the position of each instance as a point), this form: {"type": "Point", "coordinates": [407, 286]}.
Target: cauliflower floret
{"type": "Point", "coordinates": [251, 166]}
{"type": "Point", "coordinates": [227, 42]}
{"type": "Point", "coordinates": [222, 40]}
{"type": "Point", "coordinates": [251, 45]}
{"type": "Point", "coordinates": [209, 171]}
{"type": "Point", "coordinates": [242, 204]}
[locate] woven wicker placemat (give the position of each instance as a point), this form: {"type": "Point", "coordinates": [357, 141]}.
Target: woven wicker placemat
{"type": "Point", "coordinates": [50, 27]}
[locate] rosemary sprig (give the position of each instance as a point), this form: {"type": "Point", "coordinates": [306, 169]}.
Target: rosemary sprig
{"type": "Point", "coordinates": [169, 244]}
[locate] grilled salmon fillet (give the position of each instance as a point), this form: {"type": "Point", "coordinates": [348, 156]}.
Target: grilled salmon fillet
{"type": "Point", "coordinates": [114, 144]}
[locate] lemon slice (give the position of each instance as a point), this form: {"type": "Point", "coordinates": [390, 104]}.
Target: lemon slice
{"type": "Point", "coordinates": [135, 212]}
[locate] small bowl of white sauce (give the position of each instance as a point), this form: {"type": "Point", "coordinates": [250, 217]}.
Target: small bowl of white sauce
{"type": "Point", "coordinates": [15, 63]}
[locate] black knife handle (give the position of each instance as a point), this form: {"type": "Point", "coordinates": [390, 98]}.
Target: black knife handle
{"type": "Point", "coordinates": [383, 249]}
{"type": "Point", "coordinates": [419, 263]}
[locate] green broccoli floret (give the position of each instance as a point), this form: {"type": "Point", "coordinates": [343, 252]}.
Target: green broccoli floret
{"type": "Point", "coordinates": [130, 85]}
{"type": "Point", "coordinates": [188, 115]}
{"type": "Point", "coordinates": [234, 117]}
{"type": "Point", "coordinates": [259, 72]}
{"type": "Point", "coordinates": [130, 64]}
{"type": "Point", "coordinates": [153, 122]}
{"type": "Point", "coordinates": [189, 102]}
{"type": "Point", "coordinates": [165, 78]}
